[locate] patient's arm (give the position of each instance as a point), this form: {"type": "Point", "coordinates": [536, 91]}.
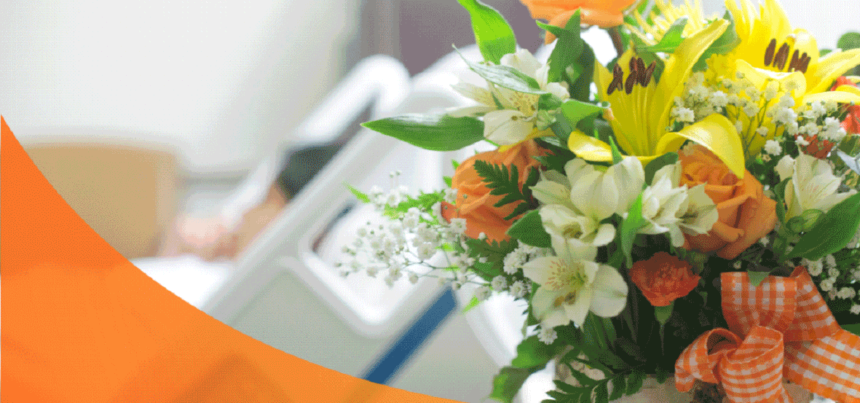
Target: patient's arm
{"type": "Point", "coordinates": [210, 238]}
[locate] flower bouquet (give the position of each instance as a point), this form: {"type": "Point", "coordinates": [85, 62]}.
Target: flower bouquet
{"type": "Point", "coordinates": [688, 211]}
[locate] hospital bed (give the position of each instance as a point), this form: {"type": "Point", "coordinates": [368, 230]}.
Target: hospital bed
{"type": "Point", "coordinates": [284, 288]}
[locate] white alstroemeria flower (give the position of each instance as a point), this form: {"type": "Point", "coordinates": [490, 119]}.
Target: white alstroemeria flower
{"type": "Point", "coordinates": [663, 204]}
{"type": "Point", "coordinates": [516, 120]}
{"type": "Point", "coordinates": [571, 284]}
{"type": "Point", "coordinates": [701, 213]}
{"type": "Point", "coordinates": [600, 194]}
{"type": "Point", "coordinates": [553, 188]}
{"type": "Point", "coordinates": [676, 210]}
{"type": "Point", "coordinates": [562, 221]}
{"type": "Point", "coordinates": [812, 186]}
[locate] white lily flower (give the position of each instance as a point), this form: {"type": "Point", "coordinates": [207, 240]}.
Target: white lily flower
{"type": "Point", "coordinates": [600, 194]}
{"type": "Point", "coordinates": [812, 186]}
{"type": "Point", "coordinates": [562, 221]}
{"type": "Point", "coordinates": [572, 284]}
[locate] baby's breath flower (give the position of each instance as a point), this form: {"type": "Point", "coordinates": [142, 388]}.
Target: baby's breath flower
{"type": "Point", "coordinates": [762, 131]}
{"type": "Point", "coordinates": [413, 278]}
{"type": "Point", "coordinates": [814, 267]}
{"type": "Point", "coordinates": [499, 283]}
{"type": "Point", "coordinates": [772, 147]}
{"type": "Point", "coordinates": [855, 309]}
{"type": "Point", "coordinates": [518, 289]}
{"type": "Point", "coordinates": [547, 335]}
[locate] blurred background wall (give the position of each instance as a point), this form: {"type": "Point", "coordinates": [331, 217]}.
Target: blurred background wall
{"type": "Point", "coordinates": [225, 79]}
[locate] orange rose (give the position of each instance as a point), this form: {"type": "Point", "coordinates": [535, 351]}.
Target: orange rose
{"type": "Point", "coordinates": [603, 13]}
{"type": "Point", "coordinates": [474, 201]}
{"type": "Point", "coordinates": [663, 278]}
{"type": "Point", "coordinates": [746, 214]}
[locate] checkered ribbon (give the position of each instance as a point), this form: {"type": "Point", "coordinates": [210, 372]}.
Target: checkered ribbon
{"type": "Point", "coordinates": [780, 329]}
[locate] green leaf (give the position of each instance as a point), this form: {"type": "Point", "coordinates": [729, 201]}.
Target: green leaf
{"type": "Point", "coordinates": [616, 154]}
{"type": "Point", "coordinates": [448, 180]}
{"type": "Point", "coordinates": [580, 87]}
{"type": "Point", "coordinates": [504, 181]}
{"type": "Point", "coordinates": [619, 386]}
{"type": "Point", "coordinates": [601, 393]}
{"type": "Point", "coordinates": [472, 303]}
{"type": "Point", "coordinates": [431, 132]}
{"type": "Point", "coordinates": [727, 42]}
{"type": "Point", "coordinates": [850, 40]}
{"type": "Point", "coordinates": [670, 40]}
{"type": "Point", "coordinates": [629, 227]}
{"type": "Point", "coordinates": [567, 48]}
{"type": "Point", "coordinates": [455, 164]}
{"type": "Point", "coordinates": [634, 382]}
{"type": "Point", "coordinates": [508, 382]}
{"type": "Point", "coordinates": [756, 277]}
{"type": "Point", "coordinates": [507, 77]}
{"type": "Point", "coordinates": [532, 352]}
{"type": "Point", "coordinates": [358, 194]}
{"type": "Point", "coordinates": [663, 313]}
{"type": "Point", "coordinates": [854, 328]}
{"type": "Point", "coordinates": [529, 230]}
{"type": "Point", "coordinates": [574, 110]}
{"type": "Point", "coordinates": [661, 375]}
{"type": "Point", "coordinates": [657, 163]}
{"type": "Point", "coordinates": [832, 231]}
{"type": "Point", "coordinates": [493, 34]}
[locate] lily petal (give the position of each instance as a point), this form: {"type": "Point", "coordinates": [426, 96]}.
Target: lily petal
{"type": "Point", "coordinates": [546, 309]}
{"type": "Point", "coordinates": [716, 133]}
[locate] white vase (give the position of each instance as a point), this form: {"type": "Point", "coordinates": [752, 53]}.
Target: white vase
{"type": "Point", "coordinates": [654, 392]}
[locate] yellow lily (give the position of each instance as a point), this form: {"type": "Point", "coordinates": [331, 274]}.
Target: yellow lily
{"type": "Point", "coordinates": [642, 120]}
{"type": "Point", "coordinates": [767, 41]}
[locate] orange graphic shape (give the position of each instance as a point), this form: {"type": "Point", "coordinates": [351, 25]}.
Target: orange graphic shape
{"type": "Point", "coordinates": [82, 324]}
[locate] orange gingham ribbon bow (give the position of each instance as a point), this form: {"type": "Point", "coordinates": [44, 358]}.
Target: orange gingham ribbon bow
{"type": "Point", "coordinates": [782, 328]}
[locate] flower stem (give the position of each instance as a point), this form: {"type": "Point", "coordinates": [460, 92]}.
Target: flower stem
{"type": "Point", "coordinates": [615, 34]}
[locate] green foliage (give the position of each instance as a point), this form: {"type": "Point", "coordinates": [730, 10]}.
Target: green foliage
{"type": "Point", "coordinates": [423, 201]}
{"type": "Point", "coordinates": [831, 232]}
{"type": "Point", "coordinates": [657, 163]}
{"type": "Point", "coordinates": [663, 313]}
{"type": "Point", "coordinates": [616, 153]}
{"type": "Point", "coordinates": [358, 194]}
{"type": "Point", "coordinates": [507, 77]}
{"type": "Point", "coordinates": [495, 253]}
{"type": "Point", "coordinates": [471, 305]}
{"type": "Point", "coordinates": [559, 154]}
{"type": "Point", "coordinates": [848, 41]}
{"type": "Point", "coordinates": [493, 34]}
{"type": "Point", "coordinates": [623, 383]}
{"type": "Point", "coordinates": [756, 277]}
{"type": "Point", "coordinates": [431, 132]}
{"type": "Point", "coordinates": [580, 86]}
{"type": "Point", "coordinates": [508, 382]}
{"type": "Point", "coordinates": [529, 230]}
{"type": "Point", "coordinates": [532, 356]}
{"type": "Point", "coordinates": [724, 44]}
{"type": "Point", "coordinates": [505, 182]}
{"type": "Point", "coordinates": [575, 110]}
{"type": "Point", "coordinates": [629, 227]}
{"type": "Point", "coordinates": [568, 47]}
{"type": "Point", "coordinates": [670, 40]}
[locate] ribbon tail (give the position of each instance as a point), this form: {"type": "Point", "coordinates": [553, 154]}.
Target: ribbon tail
{"type": "Point", "coordinates": [829, 366]}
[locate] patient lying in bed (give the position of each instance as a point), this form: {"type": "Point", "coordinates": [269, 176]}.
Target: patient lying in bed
{"type": "Point", "coordinates": [214, 238]}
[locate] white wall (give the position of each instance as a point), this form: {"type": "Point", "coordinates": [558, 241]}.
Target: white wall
{"type": "Point", "coordinates": [224, 79]}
